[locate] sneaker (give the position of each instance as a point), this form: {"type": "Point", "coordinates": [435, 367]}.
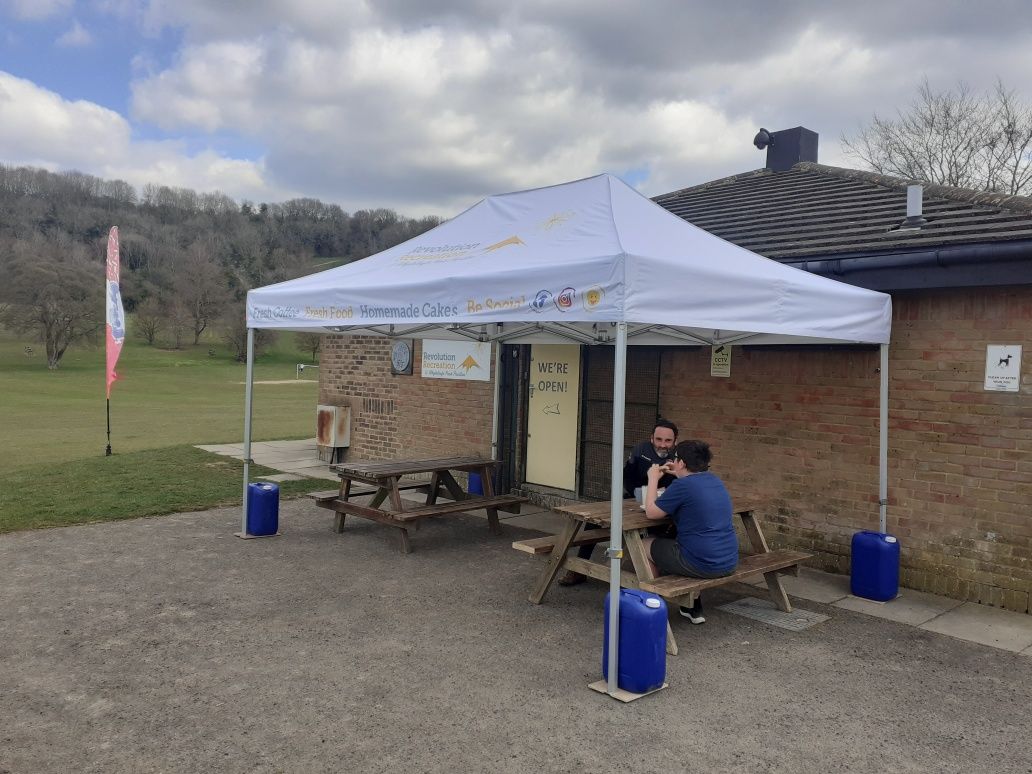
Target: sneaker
{"type": "Point", "coordinates": [694, 613]}
{"type": "Point", "coordinates": [572, 578]}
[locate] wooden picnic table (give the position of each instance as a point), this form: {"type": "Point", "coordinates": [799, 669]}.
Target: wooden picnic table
{"type": "Point", "coordinates": [677, 589]}
{"type": "Point", "coordinates": [388, 507]}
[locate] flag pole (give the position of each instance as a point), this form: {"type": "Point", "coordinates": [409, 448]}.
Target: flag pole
{"type": "Point", "coordinates": [107, 452]}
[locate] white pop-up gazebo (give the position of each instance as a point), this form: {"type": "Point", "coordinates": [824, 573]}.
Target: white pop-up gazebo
{"type": "Point", "coordinates": [589, 262]}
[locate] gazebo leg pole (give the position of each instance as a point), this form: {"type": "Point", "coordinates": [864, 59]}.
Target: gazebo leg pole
{"type": "Point", "coordinates": [248, 390]}
{"type": "Point", "coordinates": [883, 441]}
{"type": "Point", "coordinates": [616, 504]}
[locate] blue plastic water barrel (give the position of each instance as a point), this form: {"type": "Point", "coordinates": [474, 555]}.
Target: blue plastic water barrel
{"type": "Point", "coordinates": [262, 509]}
{"type": "Point", "coordinates": [641, 665]}
{"type": "Point", "coordinates": [476, 486]}
{"type": "Point", "coordinates": [874, 566]}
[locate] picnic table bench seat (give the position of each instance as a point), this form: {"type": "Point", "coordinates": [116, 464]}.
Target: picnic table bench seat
{"type": "Point", "coordinates": [336, 503]}
{"type": "Point", "coordinates": [332, 494]}
{"type": "Point", "coordinates": [544, 545]}
{"type": "Point", "coordinates": [675, 587]}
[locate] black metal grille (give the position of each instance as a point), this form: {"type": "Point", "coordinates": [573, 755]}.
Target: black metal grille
{"type": "Point", "coordinates": [641, 409]}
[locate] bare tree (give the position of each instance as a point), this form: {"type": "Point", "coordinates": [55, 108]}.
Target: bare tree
{"type": "Point", "coordinates": [59, 299]}
{"type": "Point", "coordinates": [953, 137]}
{"type": "Point", "coordinates": [309, 342]}
{"type": "Point", "coordinates": [149, 320]}
{"type": "Point", "coordinates": [234, 333]}
{"type": "Point", "coordinates": [201, 286]}
{"type": "Point", "coordinates": [177, 319]}
{"type": "Point", "coordinates": [1011, 148]}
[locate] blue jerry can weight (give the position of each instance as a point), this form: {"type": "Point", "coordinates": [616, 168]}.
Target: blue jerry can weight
{"type": "Point", "coordinates": [641, 660]}
{"type": "Point", "coordinates": [262, 509]}
{"type": "Point", "coordinates": [874, 566]}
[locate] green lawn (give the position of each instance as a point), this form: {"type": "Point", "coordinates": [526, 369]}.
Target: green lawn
{"type": "Point", "coordinates": [163, 398]}
{"type": "Point", "coordinates": [125, 486]}
{"type": "Point", "coordinates": [52, 429]}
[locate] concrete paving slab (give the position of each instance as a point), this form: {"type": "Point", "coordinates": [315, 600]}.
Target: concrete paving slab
{"type": "Point", "coordinates": [280, 477]}
{"type": "Point", "coordinates": [223, 449]}
{"type": "Point", "coordinates": [295, 466]}
{"type": "Point", "coordinates": [911, 607]}
{"type": "Point", "coordinates": [322, 473]}
{"type": "Point", "coordinates": [266, 457]}
{"type": "Point", "coordinates": [986, 625]}
{"type": "Point", "coordinates": [812, 585]}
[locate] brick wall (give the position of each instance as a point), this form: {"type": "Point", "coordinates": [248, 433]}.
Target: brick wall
{"type": "Point", "coordinates": [402, 415]}
{"type": "Point", "coordinates": [799, 428]}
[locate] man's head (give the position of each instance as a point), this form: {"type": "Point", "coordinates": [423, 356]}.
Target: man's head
{"type": "Point", "coordinates": [664, 436]}
{"type": "Point", "coordinates": [695, 455]}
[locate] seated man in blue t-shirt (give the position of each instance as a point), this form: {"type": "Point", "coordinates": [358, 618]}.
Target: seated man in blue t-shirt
{"type": "Point", "coordinates": [700, 506]}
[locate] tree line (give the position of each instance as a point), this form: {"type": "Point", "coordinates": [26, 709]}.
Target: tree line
{"type": "Point", "coordinates": [188, 258]}
{"type": "Point", "coordinates": [956, 137]}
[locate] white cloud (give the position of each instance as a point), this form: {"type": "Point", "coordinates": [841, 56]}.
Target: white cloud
{"type": "Point", "coordinates": [34, 10]}
{"type": "Point", "coordinates": [427, 105]}
{"type": "Point", "coordinates": [40, 128]}
{"type": "Point", "coordinates": [76, 37]}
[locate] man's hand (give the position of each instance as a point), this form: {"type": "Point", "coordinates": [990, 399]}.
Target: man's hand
{"type": "Point", "coordinates": [656, 472]}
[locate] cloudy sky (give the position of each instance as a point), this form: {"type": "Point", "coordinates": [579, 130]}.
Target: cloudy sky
{"type": "Point", "coordinates": [426, 106]}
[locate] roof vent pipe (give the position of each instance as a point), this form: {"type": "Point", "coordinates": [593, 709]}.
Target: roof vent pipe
{"type": "Point", "coordinates": [915, 206]}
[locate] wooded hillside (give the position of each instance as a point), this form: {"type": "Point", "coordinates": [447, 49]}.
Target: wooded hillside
{"type": "Point", "coordinates": [187, 257]}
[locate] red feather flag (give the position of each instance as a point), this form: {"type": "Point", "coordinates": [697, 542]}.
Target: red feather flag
{"type": "Point", "coordinates": [115, 312]}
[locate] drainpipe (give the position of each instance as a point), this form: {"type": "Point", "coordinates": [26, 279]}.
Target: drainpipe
{"type": "Point", "coordinates": [495, 411]}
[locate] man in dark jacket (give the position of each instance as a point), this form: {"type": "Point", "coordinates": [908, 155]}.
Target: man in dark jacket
{"type": "Point", "coordinates": [655, 451]}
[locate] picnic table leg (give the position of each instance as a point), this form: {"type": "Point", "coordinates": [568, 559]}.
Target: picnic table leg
{"type": "Point", "coordinates": [777, 592]}
{"type": "Point", "coordinates": [406, 548]}
{"type": "Point", "coordinates": [378, 498]}
{"type": "Point", "coordinates": [454, 490]}
{"type": "Point", "coordinates": [435, 485]}
{"type": "Point", "coordinates": [759, 546]}
{"type": "Point", "coordinates": [345, 492]}
{"type": "Point", "coordinates": [555, 561]}
{"type": "Point", "coordinates": [755, 534]}
{"type": "Point", "coordinates": [492, 513]}
{"type": "Point", "coordinates": [395, 494]}
{"type": "Point", "coordinates": [636, 549]}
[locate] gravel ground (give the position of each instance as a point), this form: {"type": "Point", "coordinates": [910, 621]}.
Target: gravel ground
{"type": "Point", "coordinates": [168, 645]}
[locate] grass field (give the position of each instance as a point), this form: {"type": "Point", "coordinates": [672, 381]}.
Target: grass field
{"type": "Point", "coordinates": [52, 429]}
{"type": "Point", "coordinates": [163, 398]}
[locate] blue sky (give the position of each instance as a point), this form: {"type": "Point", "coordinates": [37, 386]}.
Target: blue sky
{"type": "Point", "coordinates": [425, 107]}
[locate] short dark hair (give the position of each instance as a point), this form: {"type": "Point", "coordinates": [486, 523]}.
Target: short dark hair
{"type": "Point", "coordinates": [665, 423]}
{"type": "Point", "coordinates": [695, 455]}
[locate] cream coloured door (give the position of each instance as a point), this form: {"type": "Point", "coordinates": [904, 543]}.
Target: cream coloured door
{"type": "Point", "coordinates": [554, 398]}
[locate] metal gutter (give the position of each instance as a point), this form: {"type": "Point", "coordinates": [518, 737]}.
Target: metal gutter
{"type": "Point", "coordinates": [1002, 263]}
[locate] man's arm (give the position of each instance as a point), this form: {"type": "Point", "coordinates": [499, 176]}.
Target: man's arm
{"type": "Point", "coordinates": [652, 511]}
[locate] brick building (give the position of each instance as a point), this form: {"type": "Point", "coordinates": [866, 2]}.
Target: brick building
{"type": "Point", "coordinates": [797, 425]}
